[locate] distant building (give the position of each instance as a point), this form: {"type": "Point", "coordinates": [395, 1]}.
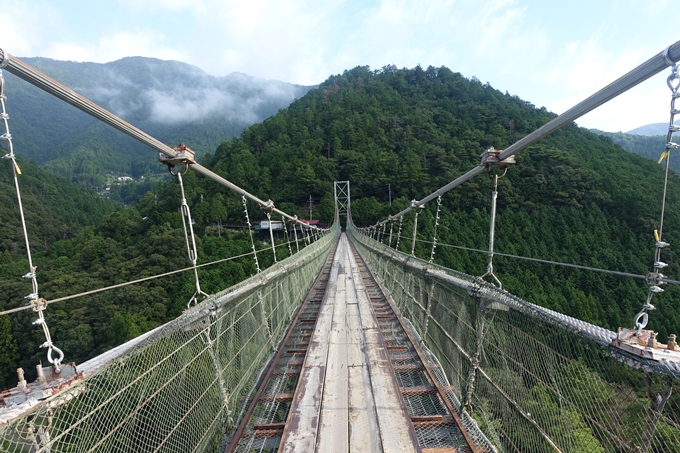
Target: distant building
{"type": "Point", "coordinates": [314, 223]}
{"type": "Point", "coordinates": [264, 225]}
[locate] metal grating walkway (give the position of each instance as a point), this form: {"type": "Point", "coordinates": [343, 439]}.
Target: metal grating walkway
{"type": "Point", "coordinates": [349, 377]}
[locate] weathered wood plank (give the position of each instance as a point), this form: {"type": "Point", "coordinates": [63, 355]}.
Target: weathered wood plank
{"type": "Point", "coordinates": [396, 431]}
{"type": "Point", "coordinates": [333, 428]}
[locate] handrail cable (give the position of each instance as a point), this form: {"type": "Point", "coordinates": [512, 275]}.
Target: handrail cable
{"type": "Point", "coordinates": [538, 260]}
{"type": "Point", "coordinates": [141, 280]}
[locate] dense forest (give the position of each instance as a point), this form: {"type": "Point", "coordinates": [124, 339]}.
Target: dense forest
{"type": "Point", "coordinates": [574, 197]}
{"type": "Point", "coordinates": [649, 146]}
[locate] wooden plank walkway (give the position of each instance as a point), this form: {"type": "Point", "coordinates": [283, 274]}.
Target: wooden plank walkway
{"type": "Point", "coordinates": [347, 397]}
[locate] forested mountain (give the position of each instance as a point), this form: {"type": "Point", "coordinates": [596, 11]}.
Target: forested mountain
{"type": "Point", "coordinates": [649, 146]}
{"type": "Point", "coordinates": [172, 101]}
{"type": "Point", "coordinates": [55, 208]}
{"type": "Point", "coordinates": [650, 129]}
{"type": "Point", "coordinates": [574, 197]}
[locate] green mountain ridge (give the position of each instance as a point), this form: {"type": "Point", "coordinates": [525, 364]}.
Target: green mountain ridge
{"type": "Point", "coordinates": [170, 100]}
{"type": "Point", "coordinates": [649, 146]}
{"type": "Point", "coordinates": [573, 197]}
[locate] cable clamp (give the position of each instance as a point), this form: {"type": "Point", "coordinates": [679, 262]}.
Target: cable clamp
{"type": "Point", "coordinates": [672, 145]}
{"type": "Point", "coordinates": [660, 264]}
{"type": "Point", "coordinates": [655, 278]}
{"type": "Point", "coordinates": [32, 296]}
{"type": "Point", "coordinates": [656, 289]}
{"type": "Point", "coordinates": [4, 61]}
{"type": "Point", "coordinates": [4, 116]}
{"type": "Point", "coordinates": [491, 159]}
{"type": "Point", "coordinates": [29, 275]}
{"type": "Point", "coordinates": [6, 136]}
{"type": "Point", "coordinates": [662, 244]}
{"type": "Point", "coordinates": [667, 57]}
{"type": "Point", "coordinates": [47, 344]}
{"type": "Point", "coordinates": [8, 156]}
{"type": "Point", "coordinates": [38, 321]}
{"type": "Point", "coordinates": [184, 156]}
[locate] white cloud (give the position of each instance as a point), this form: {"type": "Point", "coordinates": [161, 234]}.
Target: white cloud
{"type": "Point", "coordinates": [517, 45]}
{"type": "Point", "coordinates": [25, 26]}
{"type": "Point", "coordinates": [196, 6]}
{"type": "Point", "coordinates": [144, 43]}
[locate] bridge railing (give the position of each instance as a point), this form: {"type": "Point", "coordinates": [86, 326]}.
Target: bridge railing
{"type": "Point", "coordinates": [180, 387]}
{"type": "Point", "coordinates": [534, 380]}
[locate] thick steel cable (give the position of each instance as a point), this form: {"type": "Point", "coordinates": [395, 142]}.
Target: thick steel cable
{"type": "Point", "coordinates": [31, 75]}
{"type": "Point", "coordinates": [132, 282]}
{"type": "Point", "coordinates": [634, 77]}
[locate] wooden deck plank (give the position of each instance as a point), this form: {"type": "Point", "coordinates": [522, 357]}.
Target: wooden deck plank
{"type": "Point", "coordinates": [303, 419]}
{"type": "Point", "coordinates": [364, 433]}
{"type": "Point", "coordinates": [334, 421]}
{"type": "Point", "coordinates": [396, 431]}
{"type": "Point", "coordinates": [347, 398]}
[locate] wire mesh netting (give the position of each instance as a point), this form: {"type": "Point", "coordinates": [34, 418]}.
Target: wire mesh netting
{"type": "Point", "coordinates": [183, 388]}
{"type": "Point", "coordinates": [533, 380]}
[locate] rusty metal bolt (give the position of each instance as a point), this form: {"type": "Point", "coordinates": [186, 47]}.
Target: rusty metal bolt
{"type": "Point", "coordinates": [22, 381]}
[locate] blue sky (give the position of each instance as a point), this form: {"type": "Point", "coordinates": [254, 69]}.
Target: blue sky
{"type": "Point", "coordinates": [550, 53]}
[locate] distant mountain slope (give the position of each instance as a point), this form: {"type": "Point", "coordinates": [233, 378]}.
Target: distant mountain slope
{"type": "Point", "coordinates": [573, 197]}
{"type": "Point", "coordinates": [173, 101]}
{"type": "Point", "coordinates": [650, 129]}
{"type": "Point", "coordinates": [54, 207]}
{"type": "Point", "coordinates": [650, 147]}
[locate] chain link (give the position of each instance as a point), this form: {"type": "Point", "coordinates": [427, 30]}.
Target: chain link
{"type": "Point", "coordinates": [436, 224]}
{"type": "Point", "coordinates": [38, 304]}
{"type": "Point", "coordinates": [250, 230]}
{"type": "Point", "coordinates": [285, 232]}
{"type": "Point", "coordinates": [655, 278]}
{"type": "Point", "coordinates": [401, 220]}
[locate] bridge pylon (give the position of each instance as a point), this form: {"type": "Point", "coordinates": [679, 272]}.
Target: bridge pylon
{"type": "Point", "coordinates": [342, 198]}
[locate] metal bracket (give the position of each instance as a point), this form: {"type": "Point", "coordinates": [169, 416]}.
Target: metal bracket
{"type": "Point", "coordinates": [4, 59]}
{"type": "Point", "coordinates": [185, 156]}
{"type": "Point", "coordinates": [491, 159]}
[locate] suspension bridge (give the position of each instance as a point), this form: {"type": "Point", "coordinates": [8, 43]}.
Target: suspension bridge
{"type": "Point", "coordinates": [352, 345]}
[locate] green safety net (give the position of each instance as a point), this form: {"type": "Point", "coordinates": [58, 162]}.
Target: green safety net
{"type": "Point", "coordinates": [184, 387]}
{"type": "Point", "coordinates": [533, 380]}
